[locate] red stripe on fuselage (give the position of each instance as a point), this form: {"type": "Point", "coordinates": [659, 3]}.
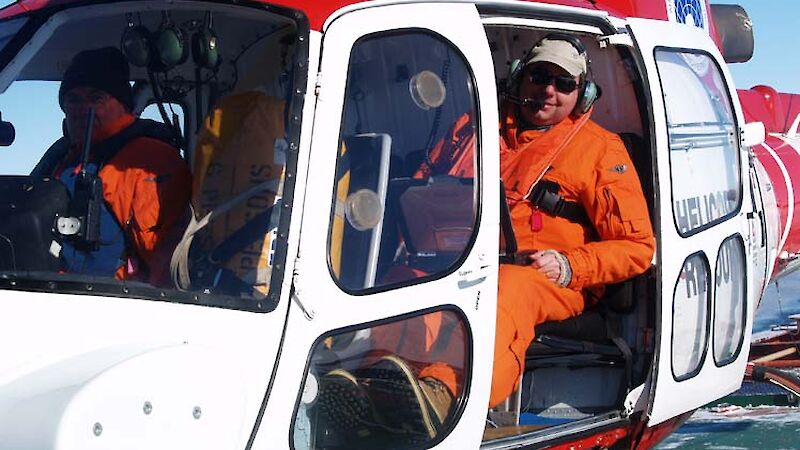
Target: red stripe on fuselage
{"type": "Point", "coordinates": [778, 184]}
{"type": "Point", "coordinates": [319, 11]}
{"type": "Point", "coordinates": [790, 158]}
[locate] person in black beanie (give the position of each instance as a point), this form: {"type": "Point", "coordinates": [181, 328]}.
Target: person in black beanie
{"type": "Point", "coordinates": [92, 78]}
{"type": "Point", "coordinates": [146, 184]}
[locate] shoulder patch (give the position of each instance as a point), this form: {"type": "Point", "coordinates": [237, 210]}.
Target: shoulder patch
{"type": "Point", "coordinates": [619, 168]}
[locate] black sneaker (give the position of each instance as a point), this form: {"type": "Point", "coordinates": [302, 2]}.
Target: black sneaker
{"type": "Point", "coordinates": [345, 410]}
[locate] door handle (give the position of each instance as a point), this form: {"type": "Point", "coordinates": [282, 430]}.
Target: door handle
{"type": "Point", "coordinates": [471, 277]}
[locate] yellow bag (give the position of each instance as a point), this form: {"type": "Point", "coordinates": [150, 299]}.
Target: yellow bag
{"type": "Point", "coordinates": [240, 146]}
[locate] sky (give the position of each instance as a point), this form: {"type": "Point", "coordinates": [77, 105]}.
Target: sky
{"type": "Point", "coordinates": [774, 63]}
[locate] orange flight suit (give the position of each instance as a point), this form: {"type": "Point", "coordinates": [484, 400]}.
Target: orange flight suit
{"type": "Point", "coordinates": [147, 188]}
{"type": "Point", "coordinates": [454, 154]}
{"type": "Point", "coordinates": [592, 168]}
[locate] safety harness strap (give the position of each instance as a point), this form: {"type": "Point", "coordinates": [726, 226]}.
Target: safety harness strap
{"type": "Point", "coordinates": [104, 151]}
{"type": "Point", "coordinates": [545, 197]}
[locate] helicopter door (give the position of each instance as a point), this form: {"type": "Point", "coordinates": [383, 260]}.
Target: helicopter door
{"type": "Point", "coordinates": [397, 268]}
{"type": "Point", "coordinates": [705, 315]}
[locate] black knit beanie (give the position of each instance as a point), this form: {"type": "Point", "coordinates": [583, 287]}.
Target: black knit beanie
{"type": "Point", "coordinates": [105, 69]}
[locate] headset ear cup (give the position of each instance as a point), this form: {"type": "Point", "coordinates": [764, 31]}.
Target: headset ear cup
{"type": "Point", "coordinates": [589, 94]}
{"type": "Point", "coordinates": [514, 71]}
{"type": "Point", "coordinates": [136, 45]}
{"type": "Point", "coordinates": [170, 48]}
{"type": "Point", "coordinates": [205, 52]}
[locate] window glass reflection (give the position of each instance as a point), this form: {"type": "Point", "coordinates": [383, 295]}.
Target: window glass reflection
{"type": "Point", "coordinates": [702, 134]}
{"type": "Point", "coordinates": [405, 197]}
{"type": "Point", "coordinates": [690, 317]}
{"type": "Point", "coordinates": [729, 301]}
{"type": "Point", "coordinates": [394, 385]}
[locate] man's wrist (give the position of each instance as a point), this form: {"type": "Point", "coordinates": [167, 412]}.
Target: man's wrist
{"type": "Point", "coordinates": [565, 277]}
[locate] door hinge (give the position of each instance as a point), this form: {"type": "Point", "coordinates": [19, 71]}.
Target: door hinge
{"type": "Point", "coordinates": [297, 298]}
{"type": "Point", "coordinates": [620, 39]}
{"type": "Point", "coordinates": [633, 401]}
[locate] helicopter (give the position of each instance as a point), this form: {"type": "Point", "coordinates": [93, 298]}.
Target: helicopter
{"type": "Point", "coordinates": [304, 125]}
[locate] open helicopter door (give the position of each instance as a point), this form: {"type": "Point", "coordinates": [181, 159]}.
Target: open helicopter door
{"type": "Point", "coordinates": [397, 268]}
{"type": "Point", "coordinates": [707, 296]}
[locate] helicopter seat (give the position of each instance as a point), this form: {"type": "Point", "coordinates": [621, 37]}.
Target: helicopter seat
{"type": "Point", "coordinates": [604, 342]}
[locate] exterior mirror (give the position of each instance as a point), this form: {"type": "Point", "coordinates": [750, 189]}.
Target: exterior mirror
{"type": "Point", "coordinates": [753, 133]}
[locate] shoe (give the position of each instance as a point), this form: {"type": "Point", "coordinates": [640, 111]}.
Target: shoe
{"type": "Point", "coordinates": [344, 406]}
{"type": "Point", "coordinates": [439, 398]}
{"type": "Point", "coordinates": [414, 410]}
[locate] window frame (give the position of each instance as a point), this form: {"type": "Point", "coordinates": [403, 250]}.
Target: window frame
{"type": "Point", "coordinates": [76, 284]}
{"type": "Point", "coordinates": [459, 403]}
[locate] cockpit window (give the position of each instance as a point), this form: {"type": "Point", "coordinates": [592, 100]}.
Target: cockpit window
{"type": "Point", "coordinates": [102, 195]}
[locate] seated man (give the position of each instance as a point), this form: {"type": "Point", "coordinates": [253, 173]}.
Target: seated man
{"type": "Point", "coordinates": [575, 200]}
{"type": "Point", "coordinates": [145, 184]}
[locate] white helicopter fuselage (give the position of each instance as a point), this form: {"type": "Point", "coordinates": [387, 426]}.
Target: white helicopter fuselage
{"type": "Point", "coordinates": [91, 363]}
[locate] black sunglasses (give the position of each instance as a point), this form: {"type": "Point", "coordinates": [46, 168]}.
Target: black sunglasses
{"type": "Point", "coordinates": [563, 83]}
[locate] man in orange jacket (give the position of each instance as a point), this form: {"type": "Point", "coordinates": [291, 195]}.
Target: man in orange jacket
{"type": "Point", "coordinates": [575, 199]}
{"type": "Point", "coordinates": [146, 186]}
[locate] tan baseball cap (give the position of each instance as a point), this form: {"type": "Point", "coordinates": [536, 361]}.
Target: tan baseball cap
{"type": "Point", "coordinates": [560, 53]}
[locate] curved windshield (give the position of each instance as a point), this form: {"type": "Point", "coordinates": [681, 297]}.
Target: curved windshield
{"type": "Point", "coordinates": [151, 152]}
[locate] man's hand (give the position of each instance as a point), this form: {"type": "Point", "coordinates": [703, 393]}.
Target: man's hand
{"type": "Point", "coordinates": [553, 265]}
{"type": "Point", "coordinates": [547, 263]}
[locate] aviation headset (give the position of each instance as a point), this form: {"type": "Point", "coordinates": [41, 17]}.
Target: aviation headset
{"type": "Point", "coordinates": [589, 91]}
{"type": "Point", "coordinates": [166, 48]}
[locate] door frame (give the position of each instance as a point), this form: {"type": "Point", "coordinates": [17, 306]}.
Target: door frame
{"type": "Point", "coordinates": [318, 304]}
{"type": "Point", "coordinates": [668, 396]}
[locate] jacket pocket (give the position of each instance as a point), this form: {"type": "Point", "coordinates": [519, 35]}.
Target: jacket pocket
{"type": "Point", "coordinates": [626, 213]}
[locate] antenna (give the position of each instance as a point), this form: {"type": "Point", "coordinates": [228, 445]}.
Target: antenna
{"type": "Point", "coordinates": [87, 141]}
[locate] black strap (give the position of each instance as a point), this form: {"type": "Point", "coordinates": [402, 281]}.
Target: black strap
{"type": "Point", "coordinates": [255, 228]}
{"type": "Point", "coordinates": [103, 151]}
{"type": "Point", "coordinates": [545, 196]}
{"type": "Point", "coordinates": [208, 268]}
{"type": "Point", "coordinates": [51, 159]}
{"type": "Point", "coordinates": [508, 239]}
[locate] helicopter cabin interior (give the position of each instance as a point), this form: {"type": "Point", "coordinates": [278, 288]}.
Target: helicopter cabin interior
{"type": "Point", "coordinates": [584, 367]}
